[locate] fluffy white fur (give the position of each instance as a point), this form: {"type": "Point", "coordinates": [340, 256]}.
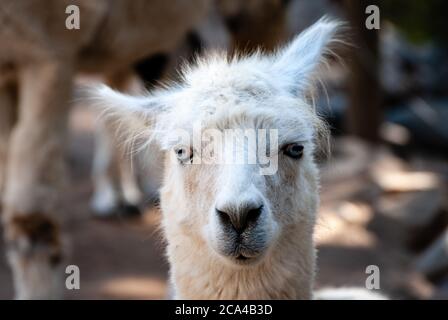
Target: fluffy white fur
{"type": "Point", "coordinates": [256, 91]}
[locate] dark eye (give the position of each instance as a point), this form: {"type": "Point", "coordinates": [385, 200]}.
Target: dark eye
{"type": "Point", "coordinates": [184, 154]}
{"type": "Point", "coordinates": [293, 150]}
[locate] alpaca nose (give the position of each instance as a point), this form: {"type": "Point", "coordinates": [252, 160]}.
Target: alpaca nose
{"type": "Point", "coordinates": [240, 217]}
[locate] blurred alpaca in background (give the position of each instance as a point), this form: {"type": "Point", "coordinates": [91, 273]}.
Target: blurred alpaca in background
{"type": "Point", "coordinates": [38, 59]}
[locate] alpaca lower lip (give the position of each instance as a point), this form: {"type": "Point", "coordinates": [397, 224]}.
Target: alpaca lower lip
{"type": "Point", "coordinates": [244, 258]}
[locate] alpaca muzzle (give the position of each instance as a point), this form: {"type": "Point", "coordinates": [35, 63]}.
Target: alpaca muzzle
{"type": "Point", "coordinates": [243, 236]}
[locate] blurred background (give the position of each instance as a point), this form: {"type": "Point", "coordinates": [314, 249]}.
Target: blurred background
{"type": "Point", "coordinates": [384, 187]}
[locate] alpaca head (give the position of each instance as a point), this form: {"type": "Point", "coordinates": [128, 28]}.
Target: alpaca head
{"type": "Point", "coordinates": [254, 107]}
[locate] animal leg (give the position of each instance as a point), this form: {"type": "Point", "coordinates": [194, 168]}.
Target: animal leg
{"type": "Point", "coordinates": [7, 120]}
{"type": "Point", "coordinates": [35, 176]}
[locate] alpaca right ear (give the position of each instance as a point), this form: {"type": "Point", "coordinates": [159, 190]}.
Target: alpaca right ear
{"type": "Point", "coordinates": [128, 116]}
{"type": "Point", "coordinates": [297, 63]}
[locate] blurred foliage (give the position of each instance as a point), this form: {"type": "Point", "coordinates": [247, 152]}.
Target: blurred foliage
{"type": "Point", "coordinates": [419, 20]}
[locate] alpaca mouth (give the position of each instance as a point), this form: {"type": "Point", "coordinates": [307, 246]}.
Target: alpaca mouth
{"type": "Point", "coordinates": [242, 249]}
{"type": "Point", "coordinates": [242, 255]}
{"type": "Point", "coordinates": [242, 258]}
{"type": "Point", "coordinates": [245, 260]}
{"type": "Point", "coordinates": [247, 256]}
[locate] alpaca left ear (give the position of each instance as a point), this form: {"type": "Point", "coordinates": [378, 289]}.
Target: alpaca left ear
{"type": "Point", "coordinates": [297, 63]}
{"type": "Point", "coordinates": [128, 116]}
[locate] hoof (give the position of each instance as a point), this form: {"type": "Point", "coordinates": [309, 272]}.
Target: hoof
{"type": "Point", "coordinates": [35, 254]}
{"type": "Point", "coordinates": [130, 210]}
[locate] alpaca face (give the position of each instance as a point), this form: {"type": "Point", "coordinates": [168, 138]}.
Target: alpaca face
{"type": "Point", "coordinates": [236, 211]}
{"type": "Point", "coordinates": [244, 212]}
{"type": "Point", "coordinates": [239, 210]}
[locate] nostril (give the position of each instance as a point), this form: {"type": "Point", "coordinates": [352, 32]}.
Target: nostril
{"type": "Point", "coordinates": [253, 214]}
{"type": "Point", "coordinates": [224, 217]}
{"type": "Point", "coordinates": [239, 220]}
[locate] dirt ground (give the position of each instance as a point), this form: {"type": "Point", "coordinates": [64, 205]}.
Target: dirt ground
{"type": "Point", "coordinates": [125, 258]}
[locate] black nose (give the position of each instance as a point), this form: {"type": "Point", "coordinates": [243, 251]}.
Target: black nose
{"type": "Point", "coordinates": [241, 217]}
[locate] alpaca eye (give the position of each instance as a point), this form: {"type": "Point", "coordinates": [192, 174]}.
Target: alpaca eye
{"type": "Point", "coordinates": [293, 150]}
{"type": "Point", "coordinates": [184, 154]}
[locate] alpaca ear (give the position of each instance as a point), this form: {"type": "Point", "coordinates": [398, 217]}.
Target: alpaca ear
{"type": "Point", "coordinates": [128, 116]}
{"type": "Point", "coordinates": [297, 64]}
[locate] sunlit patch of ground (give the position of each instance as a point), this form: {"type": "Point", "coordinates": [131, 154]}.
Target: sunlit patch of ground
{"type": "Point", "coordinates": [133, 288]}
{"type": "Point", "coordinates": [345, 224]}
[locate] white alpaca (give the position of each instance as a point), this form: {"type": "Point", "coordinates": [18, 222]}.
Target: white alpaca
{"type": "Point", "coordinates": [233, 233]}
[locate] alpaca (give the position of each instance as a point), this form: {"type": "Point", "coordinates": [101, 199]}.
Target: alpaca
{"type": "Point", "coordinates": [231, 231]}
{"type": "Point", "coordinates": [38, 58]}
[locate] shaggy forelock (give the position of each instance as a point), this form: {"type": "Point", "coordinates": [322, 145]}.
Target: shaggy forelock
{"type": "Point", "coordinates": [225, 93]}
